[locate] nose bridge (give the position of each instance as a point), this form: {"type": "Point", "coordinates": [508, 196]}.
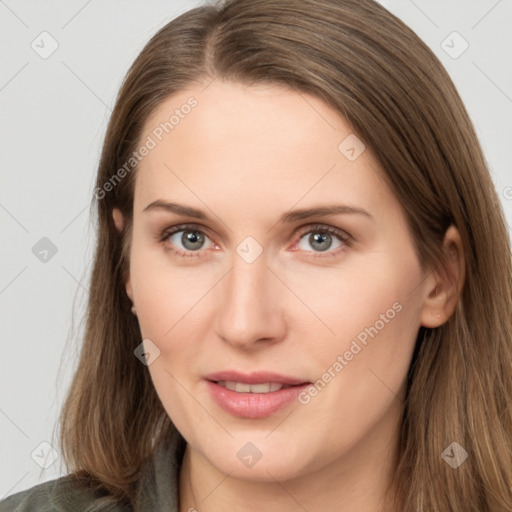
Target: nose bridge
{"type": "Point", "coordinates": [249, 307]}
{"type": "Point", "coordinates": [248, 286]}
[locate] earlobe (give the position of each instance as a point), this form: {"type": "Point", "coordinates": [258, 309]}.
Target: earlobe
{"type": "Point", "coordinates": [128, 286]}
{"type": "Point", "coordinates": [129, 292]}
{"type": "Point", "coordinates": [444, 287]}
{"type": "Point", "coordinates": [118, 218]}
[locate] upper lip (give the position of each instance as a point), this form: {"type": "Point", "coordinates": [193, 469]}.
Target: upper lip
{"type": "Point", "coordinates": [260, 377]}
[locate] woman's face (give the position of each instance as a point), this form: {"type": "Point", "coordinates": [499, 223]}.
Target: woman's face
{"type": "Point", "coordinates": [290, 265]}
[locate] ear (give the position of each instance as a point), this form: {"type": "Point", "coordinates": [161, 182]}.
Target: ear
{"type": "Point", "coordinates": [442, 290]}
{"type": "Point", "coordinates": [118, 219]}
{"type": "Point", "coordinates": [119, 223]}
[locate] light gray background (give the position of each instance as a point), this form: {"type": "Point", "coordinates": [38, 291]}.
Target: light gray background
{"type": "Point", "coordinates": [54, 115]}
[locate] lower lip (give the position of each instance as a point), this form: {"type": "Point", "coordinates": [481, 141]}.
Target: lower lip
{"type": "Point", "coordinates": [253, 405]}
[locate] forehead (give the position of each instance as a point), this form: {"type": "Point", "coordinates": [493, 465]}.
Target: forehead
{"type": "Point", "coordinates": [263, 145]}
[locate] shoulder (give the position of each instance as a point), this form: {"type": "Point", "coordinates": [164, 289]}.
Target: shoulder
{"type": "Point", "coordinates": [157, 488]}
{"type": "Point", "coordinates": [59, 495]}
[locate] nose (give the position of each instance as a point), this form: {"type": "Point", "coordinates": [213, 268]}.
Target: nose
{"type": "Point", "coordinates": [250, 313]}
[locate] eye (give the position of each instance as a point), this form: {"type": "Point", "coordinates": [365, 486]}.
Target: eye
{"type": "Point", "coordinates": [321, 238]}
{"type": "Point", "coordinates": [189, 236]}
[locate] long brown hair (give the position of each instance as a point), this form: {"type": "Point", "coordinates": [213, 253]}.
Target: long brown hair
{"type": "Point", "coordinates": [395, 94]}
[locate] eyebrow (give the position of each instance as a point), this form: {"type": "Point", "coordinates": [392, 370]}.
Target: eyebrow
{"type": "Point", "coordinates": [291, 216]}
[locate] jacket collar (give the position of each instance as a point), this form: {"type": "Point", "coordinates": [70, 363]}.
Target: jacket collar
{"type": "Point", "coordinates": [159, 482]}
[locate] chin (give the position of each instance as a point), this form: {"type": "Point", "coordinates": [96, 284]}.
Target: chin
{"type": "Point", "coordinates": [258, 458]}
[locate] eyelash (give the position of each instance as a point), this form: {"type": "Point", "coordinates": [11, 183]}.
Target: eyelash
{"type": "Point", "coordinates": [344, 237]}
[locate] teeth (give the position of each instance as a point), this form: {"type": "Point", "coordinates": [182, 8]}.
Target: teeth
{"type": "Point", "coordinates": [228, 385]}
{"type": "Point", "coordinates": [241, 387]}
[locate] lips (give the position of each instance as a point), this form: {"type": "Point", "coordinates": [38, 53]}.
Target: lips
{"type": "Point", "coordinates": [254, 395]}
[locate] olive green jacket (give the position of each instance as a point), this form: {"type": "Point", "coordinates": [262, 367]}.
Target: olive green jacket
{"type": "Point", "coordinates": [157, 489]}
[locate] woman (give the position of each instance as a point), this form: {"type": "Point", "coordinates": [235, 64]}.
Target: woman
{"type": "Point", "coordinates": [301, 294]}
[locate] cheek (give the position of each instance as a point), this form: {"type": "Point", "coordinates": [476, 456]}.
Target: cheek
{"type": "Point", "coordinates": [168, 297]}
{"type": "Point", "coordinates": [368, 314]}
{"type": "Point", "coordinates": [343, 301]}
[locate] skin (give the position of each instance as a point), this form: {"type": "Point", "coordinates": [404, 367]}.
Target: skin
{"type": "Point", "coordinates": [246, 155]}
